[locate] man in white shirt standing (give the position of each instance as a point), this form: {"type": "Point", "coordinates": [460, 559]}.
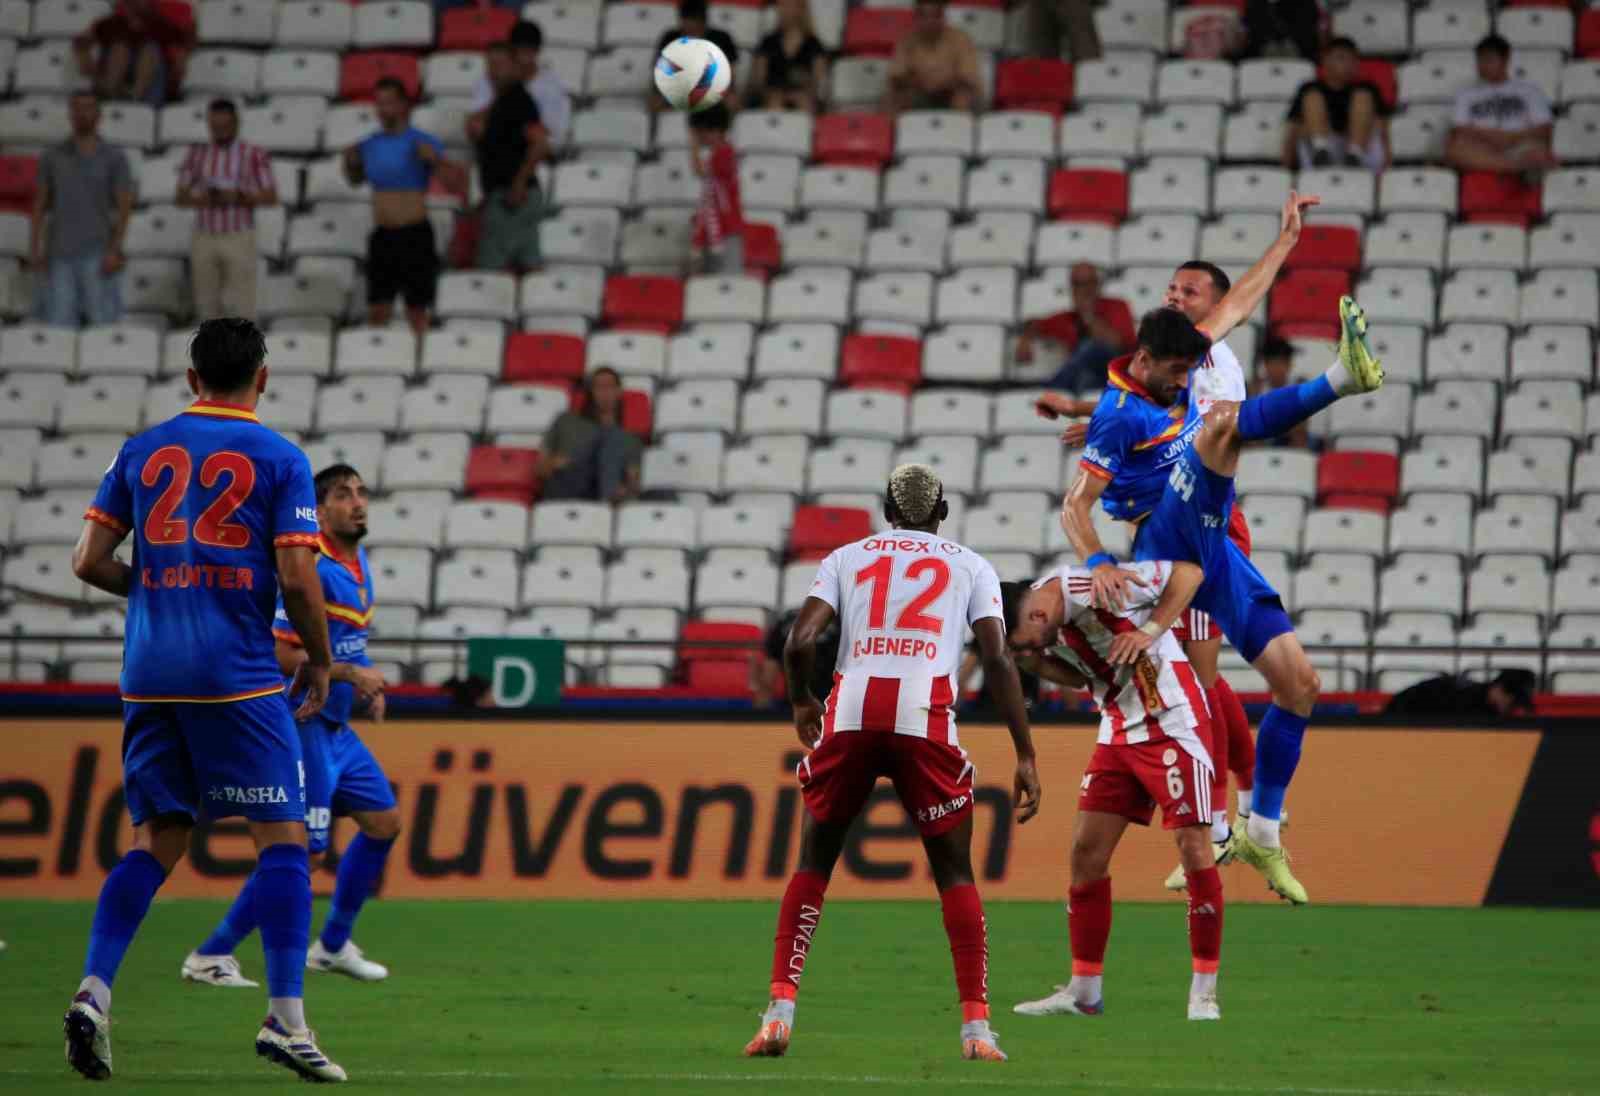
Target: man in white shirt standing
{"type": "Point", "coordinates": [1500, 124]}
{"type": "Point", "coordinates": [549, 94]}
{"type": "Point", "coordinates": [224, 182]}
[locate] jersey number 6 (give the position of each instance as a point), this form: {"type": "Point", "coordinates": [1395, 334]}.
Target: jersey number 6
{"type": "Point", "coordinates": [911, 618]}
{"type": "Point", "coordinates": [213, 526]}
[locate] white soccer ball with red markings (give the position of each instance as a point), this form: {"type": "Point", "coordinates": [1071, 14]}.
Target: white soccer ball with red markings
{"type": "Point", "coordinates": [693, 74]}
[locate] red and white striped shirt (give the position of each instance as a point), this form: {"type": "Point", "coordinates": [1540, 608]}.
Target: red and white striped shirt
{"type": "Point", "coordinates": [234, 166]}
{"type": "Point", "coordinates": [721, 214]}
{"type": "Point", "coordinates": [1151, 701]}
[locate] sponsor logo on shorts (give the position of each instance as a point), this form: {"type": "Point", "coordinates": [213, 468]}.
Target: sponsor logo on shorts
{"type": "Point", "coordinates": [1084, 787]}
{"type": "Point", "coordinates": [319, 818]}
{"type": "Point", "coordinates": [940, 810]}
{"type": "Point", "coordinates": [261, 793]}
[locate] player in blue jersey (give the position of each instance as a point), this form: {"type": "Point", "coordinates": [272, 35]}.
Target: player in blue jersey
{"type": "Point", "coordinates": [342, 776]}
{"type": "Point", "coordinates": [223, 516]}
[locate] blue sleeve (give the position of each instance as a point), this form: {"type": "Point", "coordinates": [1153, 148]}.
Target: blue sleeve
{"type": "Point", "coordinates": [1110, 440]}
{"type": "Point", "coordinates": [294, 505]}
{"type": "Point", "coordinates": [113, 502]}
{"type": "Point", "coordinates": [282, 626]}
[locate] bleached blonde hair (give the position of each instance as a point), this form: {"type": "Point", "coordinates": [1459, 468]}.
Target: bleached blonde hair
{"type": "Point", "coordinates": [915, 491]}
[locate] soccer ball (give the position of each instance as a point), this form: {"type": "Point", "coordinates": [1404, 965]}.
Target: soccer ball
{"type": "Point", "coordinates": [693, 74]}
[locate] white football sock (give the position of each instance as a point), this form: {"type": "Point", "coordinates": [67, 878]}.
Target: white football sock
{"type": "Point", "coordinates": [1263, 831]}
{"type": "Point", "coordinates": [1203, 983]}
{"type": "Point", "coordinates": [99, 991]}
{"type": "Point", "coordinates": [780, 1010]}
{"type": "Point", "coordinates": [290, 1011]}
{"type": "Point", "coordinates": [1085, 988]}
{"type": "Point", "coordinates": [1219, 826]}
{"type": "Point", "coordinates": [1341, 380]}
{"type": "Point", "coordinates": [1244, 802]}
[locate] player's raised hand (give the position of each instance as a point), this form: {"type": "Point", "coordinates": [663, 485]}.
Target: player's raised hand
{"type": "Point", "coordinates": [1075, 435]}
{"type": "Point", "coordinates": [1051, 405]}
{"type": "Point", "coordinates": [313, 682]}
{"type": "Point", "coordinates": [808, 721]}
{"type": "Point", "coordinates": [1025, 792]}
{"type": "Point", "coordinates": [1112, 586]}
{"type": "Point", "coordinates": [1126, 647]}
{"type": "Point", "coordinates": [1294, 208]}
{"type": "Point", "coordinates": [368, 681]}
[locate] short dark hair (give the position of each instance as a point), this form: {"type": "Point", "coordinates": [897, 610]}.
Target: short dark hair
{"type": "Point", "coordinates": [1218, 278]}
{"type": "Point", "coordinates": [1494, 43]}
{"type": "Point", "coordinates": [692, 9]}
{"type": "Point", "coordinates": [227, 353]}
{"type": "Point", "coordinates": [715, 117]}
{"type": "Point", "coordinates": [588, 411]}
{"type": "Point", "coordinates": [393, 84]}
{"type": "Point", "coordinates": [223, 104]}
{"type": "Point", "coordinates": [1342, 43]}
{"type": "Point", "coordinates": [331, 477]}
{"type": "Point", "coordinates": [526, 33]}
{"type": "Point", "coordinates": [1277, 346]}
{"type": "Point", "coordinates": [1011, 598]}
{"type": "Point", "coordinates": [1166, 333]}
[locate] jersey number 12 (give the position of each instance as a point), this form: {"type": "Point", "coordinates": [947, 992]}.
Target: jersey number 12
{"type": "Point", "coordinates": [912, 618]}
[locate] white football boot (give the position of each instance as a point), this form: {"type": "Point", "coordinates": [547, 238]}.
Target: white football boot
{"type": "Point", "coordinates": [215, 970]}
{"type": "Point", "coordinates": [1204, 1006]}
{"type": "Point", "coordinates": [348, 960]}
{"type": "Point", "coordinates": [1059, 1003]}
{"type": "Point", "coordinates": [297, 1051]}
{"type": "Point", "coordinates": [88, 1032]}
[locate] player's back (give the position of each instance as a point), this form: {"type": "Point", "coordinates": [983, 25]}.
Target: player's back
{"type": "Point", "coordinates": [207, 497]}
{"type": "Point", "coordinates": [905, 599]}
{"type": "Point", "coordinates": [1132, 444]}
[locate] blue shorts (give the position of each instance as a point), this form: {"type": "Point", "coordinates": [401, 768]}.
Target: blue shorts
{"type": "Point", "coordinates": [213, 760]}
{"type": "Point", "coordinates": [341, 776]}
{"type": "Point", "coordinates": [1190, 524]}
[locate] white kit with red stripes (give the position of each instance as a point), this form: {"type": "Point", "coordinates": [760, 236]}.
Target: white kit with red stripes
{"type": "Point", "coordinates": [1218, 377]}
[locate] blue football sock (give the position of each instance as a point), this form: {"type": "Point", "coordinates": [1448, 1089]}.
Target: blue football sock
{"type": "Point", "coordinates": [1275, 413]}
{"type": "Point", "coordinates": [359, 870]}
{"type": "Point", "coordinates": [239, 922]}
{"type": "Point", "coordinates": [1277, 754]}
{"type": "Point", "coordinates": [124, 900]}
{"type": "Point", "coordinates": [283, 911]}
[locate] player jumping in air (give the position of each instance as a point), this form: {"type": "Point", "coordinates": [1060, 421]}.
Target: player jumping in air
{"type": "Point", "coordinates": [342, 776]}
{"type": "Point", "coordinates": [1151, 750]}
{"type": "Point", "coordinates": [904, 599]}
{"type": "Point", "coordinates": [222, 514]}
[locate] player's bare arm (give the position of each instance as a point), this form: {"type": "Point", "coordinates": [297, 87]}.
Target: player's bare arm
{"type": "Point", "coordinates": [308, 613]}
{"type": "Point", "coordinates": [1173, 603]}
{"type": "Point", "coordinates": [799, 659]}
{"type": "Point", "coordinates": [1249, 291]}
{"type": "Point", "coordinates": [1053, 405]}
{"type": "Point", "coordinates": [1111, 583]}
{"type": "Point", "coordinates": [1005, 689]}
{"type": "Point", "coordinates": [368, 680]}
{"type": "Point", "coordinates": [1052, 669]}
{"type": "Point", "coordinates": [93, 560]}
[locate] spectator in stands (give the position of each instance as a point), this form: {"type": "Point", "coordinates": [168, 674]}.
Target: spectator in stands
{"type": "Point", "coordinates": [400, 162]}
{"type": "Point", "coordinates": [791, 66]}
{"type": "Point", "coordinates": [1282, 28]}
{"type": "Point", "coordinates": [587, 454]}
{"type": "Point", "coordinates": [1500, 124]}
{"type": "Point", "coordinates": [1053, 24]}
{"type": "Point", "coordinates": [766, 665]}
{"type": "Point", "coordinates": [223, 182]}
{"type": "Point", "coordinates": [513, 144]}
{"type": "Point", "coordinates": [935, 67]}
{"type": "Point", "coordinates": [549, 94]}
{"type": "Point", "coordinates": [718, 238]}
{"type": "Point", "coordinates": [1508, 696]}
{"type": "Point", "coordinates": [1337, 119]}
{"type": "Point", "coordinates": [692, 23]}
{"type": "Point", "coordinates": [1093, 331]}
{"type": "Point", "coordinates": [1277, 369]}
{"type": "Point", "coordinates": [80, 218]}
{"type": "Point", "coordinates": [137, 52]}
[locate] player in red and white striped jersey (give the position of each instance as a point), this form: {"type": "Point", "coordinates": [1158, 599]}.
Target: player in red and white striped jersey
{"type": "Point", "coordinates": [1154, 727]}
{"type": "Point", "coordinates": [904, 599]}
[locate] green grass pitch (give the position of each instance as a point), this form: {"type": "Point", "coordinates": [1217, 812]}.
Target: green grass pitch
{"type": "Point", "coordinates": [566, 997]}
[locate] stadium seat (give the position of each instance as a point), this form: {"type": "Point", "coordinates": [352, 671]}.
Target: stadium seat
{"type": "Point", "coordinates": [535, 356]}
{"type": "Point", "coordinates": [502, 472]}
{"type": "Point", "coordinates": [359, 73]}
{"type": "Point", "coordinates": [1108, 129]}
{"type": "Point", "coordinates": [854, 139]}
{"type": "Point", "coordinates": [73, 461]}
{"type": "Point", "coordinates": [772, 131]}
{"type": "Point", "coordinates": [1457, 407]}
{"type": "Point", "coordinates": [1309, 300]}
{"type": "Point", "coordinates": [875, 31]}
{"type": "Point", "coordinates": [1517, 524]}
{"type": "Point", "coordinates": [571, 522]}
{"type": "Point", "coordinates": [1249, 189]}
{"type": "Point", "coordinates": [1543, 409]}
{"type": "Point", "coordinates": [728, 584]}
{"type": "Point", "coordinates": [1022, 464]}
{"type": "Point", "coordinates": [1088, 195]}
{"type": "Point", "coordinates": [1422, 584]}
{"type": "Point", "coordinates": [1275, 522]}
{"type": "Point", "coordinates": [1374, 26]}
{"type": "Point", "coordinates": [900, 248]}
{"type": "Point", "coordinates": [770, 465]}
{"type": "Point", "coordinates": [426, 461]}
{"type": "Point", "coordinates": [848, 466]}
{"type": "Point", "coordinates": [880, 361]}
{"type": "Point", "coordinates": [741, 526]}
{"type": "Point", "coordinates": [1561, 297]}
{"type": "Point", "coordinates": [1479, 294]}
{"type": "Point", "coordinates": [1037, 84]}
{"type": "Point", "coordinates": [797, 350]}
{"type": "Point", "coordinates": [1331, 247]}
{"type": "Point", "coordinates": [1354, 478]}
{"type": "Point", "coordinates": [711, 350]}
{"type": "Point", "coordinates": [1509, 584]}
{"type": "Point", "coordinates": [474, 28]}
{"type": "Point", "coordinates": [782, 407]}
{"type": "Point", "coordinates": [1059, 244]}
{"type": "Point", "coordinates": [898, 301]}
{"type": "Point", "coordinates": [964, 353]}
{"type": "Point", "coordinates": [1553, 352]}
{"type": "Point", "coordinates": [486, 523]}
{"type": "Point", "coordinates": [1398, 295]}
{"type": "Point", "coordinates": [1488, 196]}
{"type": "Point", "coordinates": [1133, 27]}
{"type": "Point", "coordinates": [643, 303]}
{"type": "Point", "coordinates": [1497, 246]}
{"type": "Point", "coordinates": [810, 296]}
{"type": "Point", "coordinates": [1271, 471]}
{"type": "Point", "coordinates": [1441, 470]}
{"type": "Point", "coordinates": [818, 530]}
{"type": "Point", "coordinates": [1534, 466]}
{"type": "Point", "coordinates": [445, 403]}
{"type": "Point", "coordinates": [1167, 185]}
{"type": "Point", "coordinates": [1341, 584]}
{"type": "Point", "coordinates": [698, 405]}
{"type": "Point", "coordinates": [1420, 190]}
{"type": "Point", "coordinates": [1017, 133]}
{"type": "Point", "coordinates": [1468, 351]}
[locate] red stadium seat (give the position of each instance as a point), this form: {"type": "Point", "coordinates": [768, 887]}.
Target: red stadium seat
{"type": "Point", "coordinates": [502, 472]}
{"type": "Point", "coordinates": [1505, 199]}
{"type": "Point", "coordinates": [763, 250]}
{"type": "Point", "coordinates": [717, 631]}
{"type": "Point", "coordinates": [818, 530]}
{"type": "Point", "coordinates": [1329, 247]}
{"type": "Point", "coordinates": [1381, 73]}
{"type": "Point", "coordinates": [1326, 330]}
{"type": "Point", "coordinates": [881, 361]}
{"type": "Point", "coordinates": [474, 28]}
{"type": "Point", "coordinates": [1089, 195]}
{"type": "Point", "coordinates": [543, 356]}
{"type": "Point", "coordinates": [876, 31]}
{"type": "Point", "coordinates": [359, 73]}
{"type": "Point", "coordinates": [1589, 33]}
{"type": "Point", "coordinates": [1033, 84]}
{"type": "Point", "coordinates": [1308, 296]}
{"type": "Point", "coordinates": [855, 138]}
{"type": "Point", "coordinates": [638, 418]}
{"type": "Point", "coordinates": [1346, 474]}
{"type": "Point", "coordinates": [643, 302]}
{"type": "Point", "coordinates": [19, 181]}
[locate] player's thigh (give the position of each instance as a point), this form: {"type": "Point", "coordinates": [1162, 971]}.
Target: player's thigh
{"type": "Point", "coordinates": [1291, 677]}
{"type": "Point", "coordinates": [1217, 445]}
{"type": "Point", "coordinates": [1201, 643]}
{"type": "Point", "coordinates": [1175, 780]}
{"type": "Point", "coordinates": [1095, 836]}
{"type": "Point", "coordinates": [1110, 787]}
{"type": "Point", "coordinates": [158, 775]}
{"type": "Point", "coordinates": [950, 854]}
{"type": "Point", "coordinates": [934, 781]}
{"type": "Point", "coordinates": [837, 777]}
{"type": "Point", "coordinates": [321, 774]}
{"type": "Point", "coordinates": [247, 759]}
{"type": "Point", "coordinates": [360, 787]}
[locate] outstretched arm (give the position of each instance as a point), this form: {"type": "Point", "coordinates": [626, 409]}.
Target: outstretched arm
{"type": "Point", "coordinates": [799, 661]}
{"type": "Point", "coordinates": [1005, 689]}
{"type": "Point", "coordinates": [1249, 291]}
{"type": "Point", "coordinates": [1172, 604]}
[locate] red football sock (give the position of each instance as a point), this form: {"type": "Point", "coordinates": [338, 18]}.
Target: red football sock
{"type": "Point", "coordinates": [969, 947]}
{"type": "Point", "coordinates": [797, 924]}
{"type": "Point", "coordinates": [1241, 744]}
{"type": "Point", "coordinates": [1217, 741]}
{"type": "Point", "coordinates": [1205, 919]}
{"type": "Point", "coordinates": [1089, 925]}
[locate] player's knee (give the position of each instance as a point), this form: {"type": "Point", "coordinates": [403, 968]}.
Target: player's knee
{"type": "Point", "coordinates": [1194, 848]}
{"type": "Point", "coordinates": [1304, 686]}
{"type": "Point", "coordinates": [1222, 421]}
{"type": "Point", "coordinates": [383, 826]}
{"type": "Point", "coordinates": [1089, 860]}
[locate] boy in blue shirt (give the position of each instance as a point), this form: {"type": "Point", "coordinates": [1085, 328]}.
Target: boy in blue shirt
{"type": "Point", "coordinates": [223, 517]}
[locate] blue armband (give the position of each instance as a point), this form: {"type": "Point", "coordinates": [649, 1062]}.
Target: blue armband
{"type": "Point", "coordinates": [1098, 558]}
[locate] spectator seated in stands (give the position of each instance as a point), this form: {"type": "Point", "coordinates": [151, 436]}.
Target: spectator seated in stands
{"type": "Point", "coordinates": [692, 15]}
{"type": "Point", "coordinates": [718, 238]}
{"type": "Point", "coordinates": [137, 52]}
{"type": "Point", "coordinates": [586, 453]}
{"type": "Point", "coordinates": [1282, 28]}
{"type": "Point", "coordinates": [1054, 24]}
{"type": "Point", "coordinates": [766, 666]}
{"type": "Point", "coordinates": [791, 66]}
{"type": "Point", "coordinates": [1508, 696]}
{"type": "Point", "coordinates": [80, 217]}
{"type": "Point", "coordinates": [400, 162]}
{"type": "Point", "coordinates": [550, 95]}
{"type": "Point", "coordinates": [1336, 119]}
{"type": "Point", "coordinates": [223, 182]}
{"type": "Point", "coordinates": [1093, 331]}
{"type": "Point", "coordinates": [1277, 371]}
{"type": "Point", "coordinates": [1500, 124]}
{"type": "Point", "coordinates": [935, 67]}
{"type": "Point", "coordinates": [513, 144]}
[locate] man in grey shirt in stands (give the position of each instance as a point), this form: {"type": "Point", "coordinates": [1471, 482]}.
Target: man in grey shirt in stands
{"type": "Point", "coordinates": [80, 216]}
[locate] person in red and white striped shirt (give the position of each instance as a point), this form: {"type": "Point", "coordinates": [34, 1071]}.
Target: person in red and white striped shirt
{"type": "Point", "coordinates": [718, 238]}
{"type": "Point", "coordinates": [904, 599]}
{"type": "Point", "coordinates": [224, 182]}
{"type": "Point", "coordinates": [1154, 727]}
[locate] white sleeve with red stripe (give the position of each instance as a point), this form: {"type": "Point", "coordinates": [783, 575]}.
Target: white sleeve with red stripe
{"type": "Point", "coordinates": [825, 587]}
